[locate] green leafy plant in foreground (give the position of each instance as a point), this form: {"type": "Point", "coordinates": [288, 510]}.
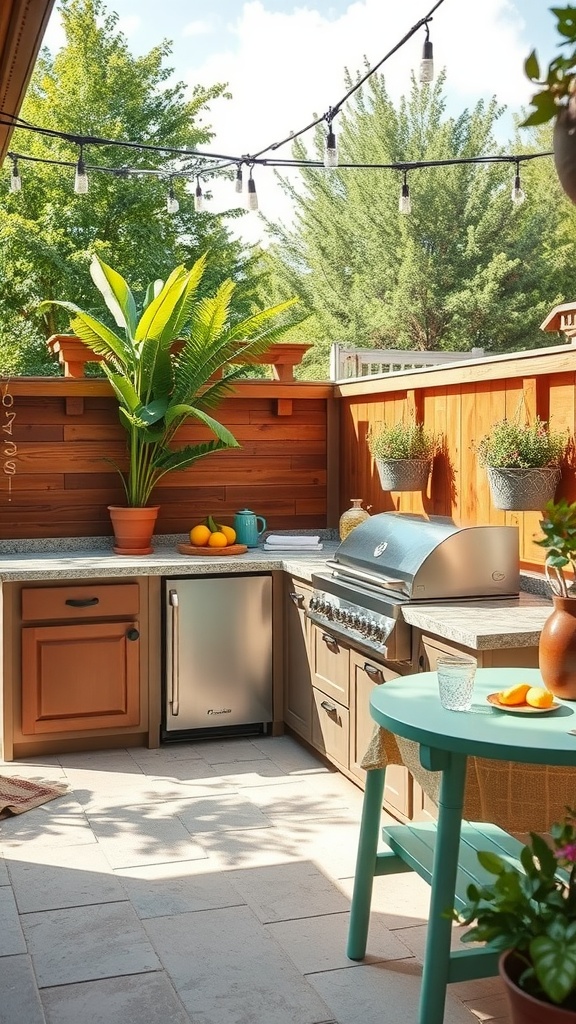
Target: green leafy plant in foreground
{"type": "Point", "coordinates": [532, 913]}
{"type": "Point", "coordinates": [559, 540]}
{"type": "Point", "coordinates": [558, 90]}
{"type": "Point", "coordinates": [162, 365]}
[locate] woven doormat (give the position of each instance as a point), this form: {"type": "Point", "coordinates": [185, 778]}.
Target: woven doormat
{"type": "Point", "coordinates": [19, 795]}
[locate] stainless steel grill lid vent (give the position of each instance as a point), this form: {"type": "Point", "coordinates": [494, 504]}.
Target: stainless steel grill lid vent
{"type": "Point", "coordinates": [431, 559]}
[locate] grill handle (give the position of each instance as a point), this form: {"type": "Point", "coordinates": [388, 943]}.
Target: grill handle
{"type": "Point", "coordinates": [374, 673]}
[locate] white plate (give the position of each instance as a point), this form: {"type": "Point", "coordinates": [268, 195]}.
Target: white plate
{"type": "Point", "coordinates": [520, 709]}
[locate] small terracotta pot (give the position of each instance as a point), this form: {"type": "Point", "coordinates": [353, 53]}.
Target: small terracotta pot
{"type": "Point", "coordinates": [557, 649]}
{"type": "Point", "coordinates": [133, 529]}
{"type": "Point", "coordinates": [564, 146]}
{"type": "Point", "coordinates": [524, 1008]}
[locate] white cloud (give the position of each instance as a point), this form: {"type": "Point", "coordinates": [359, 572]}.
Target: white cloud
{"type": "Point", "coordinates": [285, 68]}
{"type": "Point", "coordinates": [197, 28]}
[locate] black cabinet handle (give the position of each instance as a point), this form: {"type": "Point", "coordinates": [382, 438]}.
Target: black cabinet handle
{"type": "Point", "coordinates": [82, 602]}
{"type": "Point", "coordinates": [373, 672]}
{"type": "Point", "coordinates": [329, 707]}
{"type": "Point", "coordinates": [298, 599]}
{"type": "Point", "coordinates": [132, 634]}
{"type": "Point", "coordinates": [422, 661]}
{"type": "Point", "coordinates": [330, 642]}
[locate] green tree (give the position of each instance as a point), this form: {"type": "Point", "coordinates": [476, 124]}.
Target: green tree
{"type": "Point", "coordinates": [95, 87]}
{"type": "Point", "coordinates": [466, 269]}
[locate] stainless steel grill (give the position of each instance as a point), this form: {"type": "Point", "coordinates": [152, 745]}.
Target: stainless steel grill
{"type": "Point", "coordinates": [394, 558]}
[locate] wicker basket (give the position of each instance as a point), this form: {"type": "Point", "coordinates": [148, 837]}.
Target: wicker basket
{"type": "Point", "coordinates": [403, 474]}
{"type": "Point", "coordinates": [523, 489]}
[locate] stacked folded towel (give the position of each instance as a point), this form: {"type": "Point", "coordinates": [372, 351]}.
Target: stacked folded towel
{"type": "Point", "coordinates": [292, 542]}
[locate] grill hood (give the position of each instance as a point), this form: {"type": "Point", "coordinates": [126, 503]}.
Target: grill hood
{"type": "Point", "coordinates": [425, 559]}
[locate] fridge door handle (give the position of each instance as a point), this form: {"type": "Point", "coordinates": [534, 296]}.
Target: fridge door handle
{"type": "Point", "coordinates": [175, 648]}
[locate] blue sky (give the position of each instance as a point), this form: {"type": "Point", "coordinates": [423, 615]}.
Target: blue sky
{"type": "Point", "coordinates": [285, 62]}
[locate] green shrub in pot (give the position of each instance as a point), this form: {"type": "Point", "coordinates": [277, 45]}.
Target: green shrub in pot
{"type": "Point", "coordinates": [403, 454]}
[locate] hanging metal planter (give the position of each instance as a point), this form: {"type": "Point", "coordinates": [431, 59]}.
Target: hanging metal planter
{"type": "Point", "coordinates": [522, 490]}
{"type": "Point", "coordinates": [403, 474]}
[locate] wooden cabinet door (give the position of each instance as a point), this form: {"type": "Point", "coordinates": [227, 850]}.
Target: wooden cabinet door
{"type": "Point", "coordinates": [365, 674]}
{"type": "Point", "coordinates": [330, 728]}
{"type": "Point", "coordinates": [331, 665]}
{"type": "Point", "coordinates": [297, 671]}
{"type": "Point", "coordinates": [80, 677]}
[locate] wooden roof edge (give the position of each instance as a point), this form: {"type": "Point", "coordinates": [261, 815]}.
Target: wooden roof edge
{"type": "Point", "coordinates": [22, 27]}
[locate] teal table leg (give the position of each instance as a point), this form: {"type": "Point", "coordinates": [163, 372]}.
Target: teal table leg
{"type": "Point", "coordinates": [365, 864]}
{"type": "Point", "coordinates": [444, 870]}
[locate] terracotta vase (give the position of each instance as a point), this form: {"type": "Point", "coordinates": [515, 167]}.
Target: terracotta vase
{"type": "Point", "coordinates": [524, 1008]}
{"type": "Point", "coordinates": [557, 649]}
{"type": "Point", "coordinates": [133, 529]}
{"type": "Point", "coordinates": [564, 145]}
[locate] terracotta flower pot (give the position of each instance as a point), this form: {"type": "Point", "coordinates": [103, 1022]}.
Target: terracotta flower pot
{"type": "Point", "coordinates": [524, 1008]}
{"type": "Point", "coordinates": [564, 146]}
{"type": "Point", "coordinates": [133, 529]}
{"type": "Point", "coordinates": [557, 649]}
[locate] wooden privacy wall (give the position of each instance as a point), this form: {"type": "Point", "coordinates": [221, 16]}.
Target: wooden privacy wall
{"type": "Point", "coordinates": [459, 403]}
{"type": "Point", "coordinates": [56, 483]}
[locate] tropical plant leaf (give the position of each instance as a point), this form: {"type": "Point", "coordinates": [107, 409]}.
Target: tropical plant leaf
{"type": "Point", "coordinates": [116, 294]}
{"type": "Point", "coordinates": [554, 962]}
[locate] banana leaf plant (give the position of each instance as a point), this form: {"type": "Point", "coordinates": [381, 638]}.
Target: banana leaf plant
{"type": "Point", "coordinates": [159, 385]}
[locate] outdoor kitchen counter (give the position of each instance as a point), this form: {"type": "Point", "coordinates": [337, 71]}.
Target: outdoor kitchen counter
{"type": "Point", "coordinates": [481, 625]}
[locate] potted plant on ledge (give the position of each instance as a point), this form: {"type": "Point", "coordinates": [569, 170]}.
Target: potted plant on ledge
{"type": "Point", "coordinates": [522, 461]}
{"type": "Point", "coordinates": [169, 362]}
{"type": "Point", "coordinates": [530, 916]}
{"type": "Point", "coordinates": [403, 453]}
{"type": "Point", "coordinates": [557, 645]}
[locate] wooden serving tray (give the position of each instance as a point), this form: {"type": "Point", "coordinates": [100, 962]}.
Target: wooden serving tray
{"type": "Point", "coordinates": [231, 549]}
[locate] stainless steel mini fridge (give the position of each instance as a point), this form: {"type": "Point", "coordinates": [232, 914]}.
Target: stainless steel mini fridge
{"type": "Point", "coordinates": [217, 655]}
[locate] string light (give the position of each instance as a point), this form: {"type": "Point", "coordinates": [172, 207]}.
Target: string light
{"type": "Point", "coordinates": [331, 151]}
{"type": "Point", "coordinates": [81, 178]}
{"type": "Point", "coordinates": [172, 204]}
{"type": "Point", "coordinates": [15, 179]}
{"type": "Point", "coordinates": [252, 196]}
{"type": "Point", "coordinates": [238, 182]}
{"type": "Point", "coordinates": [518, 195]}
{"type": "Point", "coordinates": [427, 62]}
{"type": "Point", "coordinates": [404, 204]}
{"type": "Point", "coordinates": [198, 197]}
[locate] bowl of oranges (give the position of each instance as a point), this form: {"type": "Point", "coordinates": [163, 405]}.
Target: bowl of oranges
{"type": "Point", "coordinates": [523, 698]}
{"type": "Point", "coordinates": [212, 538]}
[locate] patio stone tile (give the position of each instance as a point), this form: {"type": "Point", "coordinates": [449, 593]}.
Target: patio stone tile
{"type": "Point", "coordinates": [37, 760]}
{"type": "Point", "coordinates": [192, 771]}
{"type": "Point", "coordinates": [402, 901]}
{"type": "Point", "coordinates": [136, 999]}
{"type": "Point", "coordinates": [295, 799]}
{"type": "Point", "coordinates": [415, 939]}
{"type": "Point", "coordinates": [224, 812]}
{"type": "Point", "coordinates": [60, 822]}
{"type": "Point", "coordinates": [85, 783]}
{"type": "Point", "coordinates": [252, 773]}
{"type": "Point", "coordinates": [174, 751]}
{"type": "Point", "coordinates": [116, 760]}
{"type": "Point", "coordinates": [282, 892]}
{"type": "Point", "coordinates": [288, 754]}
{"type": "Point", "coordinates": [119, 791]}
{"type": "Point", "coordinates": [160, 890]}
{"type": "Point", "coordinates": [51, 879]}
{"type": "Point", "coordinates": [488, 1009]}
{"type": "Point", "coordinates": [249, 848]}
{"type": "Point", "coordinates": [220, 751]}
{"type": "Point", "coordinates": [20, 999]}
{"type": "Point", "coordinates": [329, 842]}
{"type": "Point", "coordinates": [4, 876]}
{"type": "Point", "coordinates": [34, 772]}
{"type": "Point", "coordinates": [83, 943]}
{"type": "Point", "coordinates": [148, 834]}
{"type": "Point", "coordinates": [11, 936]}
{"type": "Point", "coordinates": [381, 993]}
{"type": "Point", "coordinates": [317, 944]}
{"type": "Point", "coordinates": [227, 970]}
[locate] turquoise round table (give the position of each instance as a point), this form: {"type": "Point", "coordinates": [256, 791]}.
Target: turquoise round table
{"type": "Point", "coordinates": [409, 706]}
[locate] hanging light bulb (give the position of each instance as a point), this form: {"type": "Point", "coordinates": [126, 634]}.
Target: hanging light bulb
{"type": "Point", "coordinates": [172, 204]}
{"type": "Point", "coordinates": [427, 62]}
{"type": "Point", "coordinates": [15, 179]}
{"type": "Point", "coordinates": [238, 182]}
{"type": "Point", "coordinates": [198, 197]}
{"type": "Point", "coordinates": [331, 151]}
{"type": "Point", "coordinates": [518, 195]}
{"type": "Point", "coordinates": [81, 178]}
{"type": "Point", "coordinates": [404, 204]}
{"type": "Point", "coordinates": [252, 196]}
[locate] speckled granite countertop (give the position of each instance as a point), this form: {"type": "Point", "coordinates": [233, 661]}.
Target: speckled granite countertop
{"type": "Point", "coordinates": [482, 625]}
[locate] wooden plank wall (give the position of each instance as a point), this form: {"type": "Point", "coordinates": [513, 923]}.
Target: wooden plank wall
{"type": "Point", "coordinates": [63, 430]}
{"type": "Point", "coordinates": [459, 405]}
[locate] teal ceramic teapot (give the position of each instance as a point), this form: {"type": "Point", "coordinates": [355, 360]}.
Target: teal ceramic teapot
{"type": "Point", "coordinates": [246, 527]}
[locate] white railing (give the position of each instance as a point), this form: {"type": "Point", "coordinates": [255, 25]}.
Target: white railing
{"type": "Point", "coordinates": [363, 362]}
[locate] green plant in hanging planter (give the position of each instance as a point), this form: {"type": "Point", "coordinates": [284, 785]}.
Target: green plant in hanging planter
{"type": "Point", "coordinates": [516, 445]}
{"type": "Point", "coordinates": [401, 441]}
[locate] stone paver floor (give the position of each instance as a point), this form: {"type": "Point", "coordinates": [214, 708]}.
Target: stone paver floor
{"type": "Point", "coordinates": [204, 882]}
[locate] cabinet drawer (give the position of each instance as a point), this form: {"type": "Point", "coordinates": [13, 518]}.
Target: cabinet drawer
{"type": "Point", "coordinates": [330, 728]}
{"type": "Point", "coordinates": [85, 601]}
{"type": "Point", "coordinates": [331, 661]}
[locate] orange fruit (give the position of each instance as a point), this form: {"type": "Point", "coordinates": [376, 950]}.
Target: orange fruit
{"type": "Point", "coordinates": [217, 540]}
{"type": "Point", "coordinates": [199, 535]}
{"type": "Point", "coordinates": [229, 533]}
{"type": "Point", "coordinates": [538, 697]}
{"type": "Point", "coordinates": [514, 694]}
